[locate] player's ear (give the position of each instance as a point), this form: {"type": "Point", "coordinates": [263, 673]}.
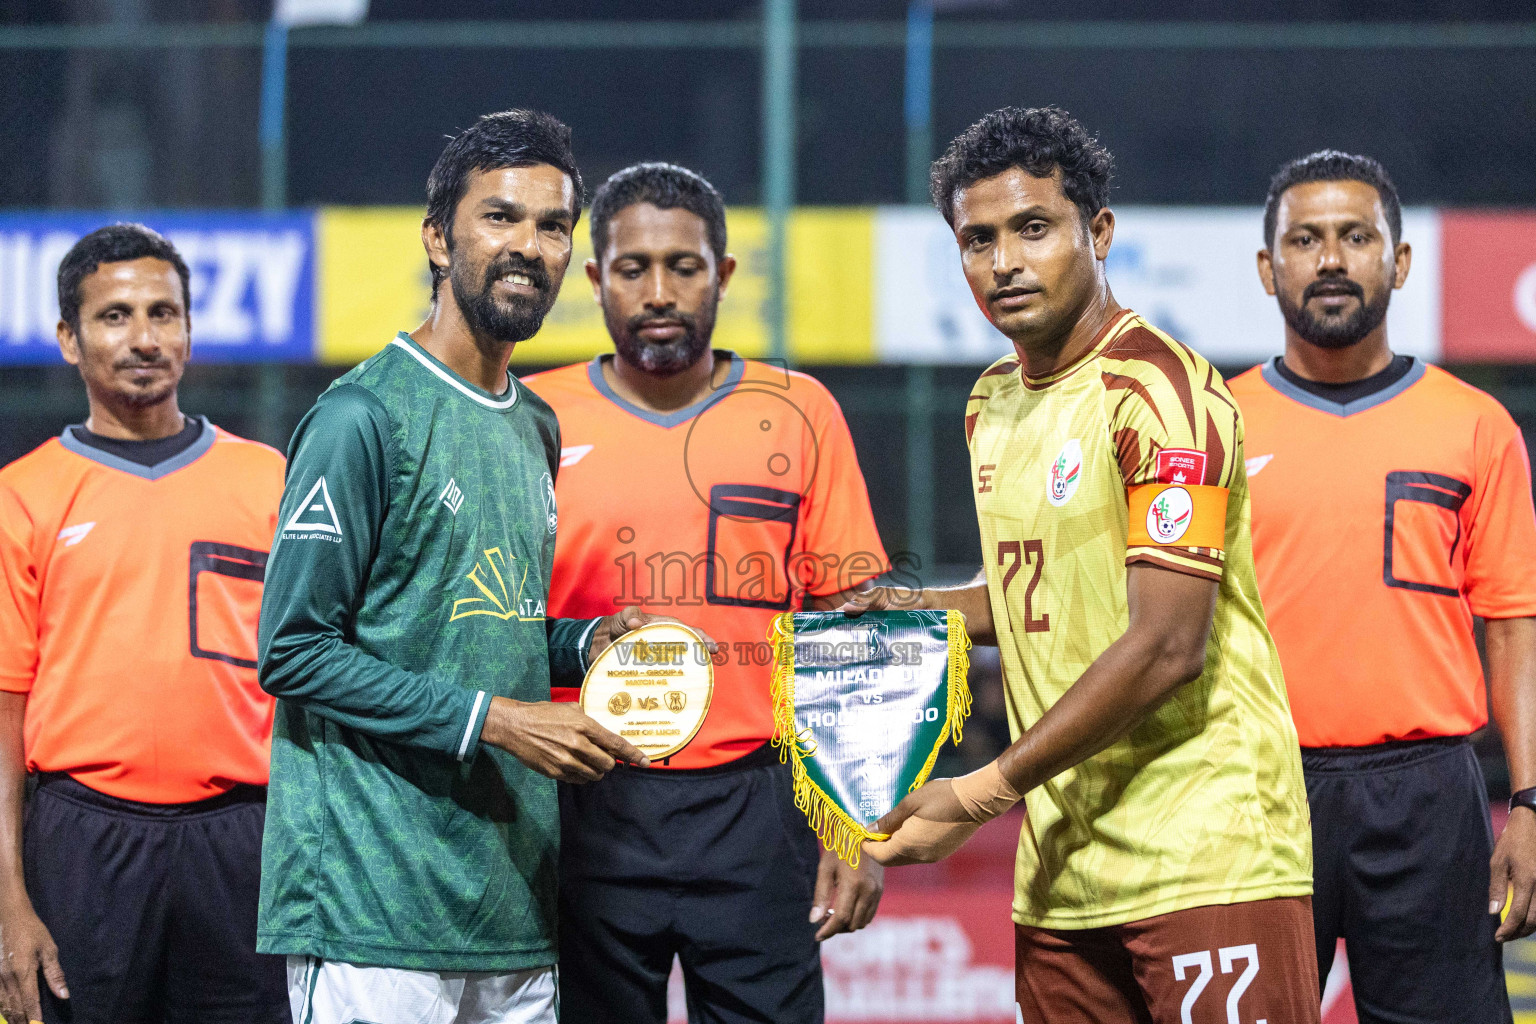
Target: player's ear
{"type": "Point", "coordinates": [595, 275]}
{"type": "Point", "coordinates": [723, 274]}
{"type": "Point", "coordinates": [69, 343]}
{"type": "Point", "coordinates": [1267, 271]}
{"type": "Point", "coordinates": [435, 242]}
{"type": "Point", "coordinates": [1402, 257]}
{"type": "Point", "coordinates": [1102, 229]}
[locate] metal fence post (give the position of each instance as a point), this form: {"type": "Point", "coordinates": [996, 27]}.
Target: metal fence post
{"type": "Point", "coordinates": [918, 98]}
{"type": "Point", "coordinates": [270, 396]}
{"type": "Point", "coordinates": [920, 483]}
{"type": "Point", "coordinates": [778, 160]}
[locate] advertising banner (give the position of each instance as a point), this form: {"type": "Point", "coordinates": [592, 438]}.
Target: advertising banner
{"type": "Point", "coordinates": [1490, 287]}
{"type": "Point", "coordinates": [1189, 271]}
{"type": "Point", "coordinates": [374, 281]}
{"type": "Point", "coordinates": [252, 281]}
{"type": "Point", "coordinates": [864, 285]}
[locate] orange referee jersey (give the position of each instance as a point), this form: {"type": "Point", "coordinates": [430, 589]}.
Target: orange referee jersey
{"type": "Point", "coordinates": [128, 605]}
{"type": "Point", "coordinates": [1380, 528]}
{"type": "Point", "coordinates": [722, 514]}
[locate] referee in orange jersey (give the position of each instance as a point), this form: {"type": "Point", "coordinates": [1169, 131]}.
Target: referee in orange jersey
{"type": "Point", "coordinates": [132, 549]}
{"type": "Point", "coordinates": [1391, 508]}
{"type": "Point", "coordinates": [695, 481]}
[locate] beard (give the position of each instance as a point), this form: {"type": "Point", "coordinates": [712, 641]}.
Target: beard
{"type": "Point", "coordinates": [136, 396]}
{"type": "Point", "coordinates": [1335, 332]}
{"type": "Point", "coordinates": [664, 358]}
{"type": "Point", "coordinates": [510, 320]}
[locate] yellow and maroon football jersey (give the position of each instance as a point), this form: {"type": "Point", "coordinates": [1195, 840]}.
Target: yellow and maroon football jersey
{"type": "Point", "coordinates": [723, 514]}
{"type": "Point", "coordinates": [1381, 527]}
{"type": "Point", "coordinates": [1134, 454]}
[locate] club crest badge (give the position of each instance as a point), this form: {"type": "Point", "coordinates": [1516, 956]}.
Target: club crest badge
{"type": "Point", "coordinates": [1170, 515]}
{"type": "Point", "coordinates": [551, 516]}
{"type": "Point", "coordinates": [1066, 473]}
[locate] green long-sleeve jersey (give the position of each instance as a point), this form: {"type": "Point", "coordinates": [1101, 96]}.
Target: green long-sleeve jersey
{"type": "Point", "coordinates": [406, 587]}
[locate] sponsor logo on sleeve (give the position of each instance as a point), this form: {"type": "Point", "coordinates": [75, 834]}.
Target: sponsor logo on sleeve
{"type": "Point", "coordinates": [574, 454]}
{"type": "Point", "coordinates": [1256, 463]}
{"type": "Point", "coordinates": [1170, 514]}
{"type": "Point", "coordinates": [1066, 473]}
{"type": "Point", "coordinates": [315, 518]}
{"type": "Point", "coordinates": [1180, 466]}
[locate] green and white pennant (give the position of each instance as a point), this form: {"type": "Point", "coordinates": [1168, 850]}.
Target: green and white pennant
{"type": "Point", "coordinates": [861, 707]}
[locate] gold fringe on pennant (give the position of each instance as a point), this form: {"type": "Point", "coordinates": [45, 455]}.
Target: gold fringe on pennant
{"type": "Point", "coordinates": [959, 700]}
{"type": "Point", "coordinates": [838, 832]}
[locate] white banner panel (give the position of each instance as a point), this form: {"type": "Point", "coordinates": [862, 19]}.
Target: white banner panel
{"type": "Point", "coordinates": [1190, 271]}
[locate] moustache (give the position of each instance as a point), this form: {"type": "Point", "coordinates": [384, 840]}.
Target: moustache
{"type": "Point", "coordinates": [515, 263]}
{"type": "Point", "coordinates": [1334, 285]}
{"type": "Point", "coordinates": [686, 320]}
{"type": "Point", "coordinates": [141, 364]}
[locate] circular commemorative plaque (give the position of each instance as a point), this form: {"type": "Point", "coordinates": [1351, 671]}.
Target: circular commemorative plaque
{"type": "Point", "coordinates": [652, 686]}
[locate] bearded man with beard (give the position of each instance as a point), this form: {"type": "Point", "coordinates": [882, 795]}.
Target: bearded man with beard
{"type": "Point", "coordinates": [408, 870]}
{"type": "Point", "coordinates": [698, 482]}
{"type": "Point", "coordinates": [1391, 507]}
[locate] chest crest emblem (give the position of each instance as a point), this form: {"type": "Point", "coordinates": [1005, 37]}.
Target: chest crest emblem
{"type": "Point", "coordinates": [551, 516]}
{"type": "Point", "coordinates": [1066, 474]}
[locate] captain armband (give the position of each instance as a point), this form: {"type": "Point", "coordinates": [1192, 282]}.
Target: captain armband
{"type": "Point", "coordinates": [1178, 515]}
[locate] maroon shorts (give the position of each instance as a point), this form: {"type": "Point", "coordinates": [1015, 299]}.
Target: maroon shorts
{"type": "Point", "coordinates": [1208, 965]}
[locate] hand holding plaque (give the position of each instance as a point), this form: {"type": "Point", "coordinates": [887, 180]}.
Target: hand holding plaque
{"type": "Point", "coordinates": [862, 706]}
{"type": "Point", "coordinates": [652, 686]}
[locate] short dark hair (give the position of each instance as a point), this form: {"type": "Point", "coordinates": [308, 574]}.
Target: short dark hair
{"type": "Point", "coordinates": [510, 138]}
{"type": "Point", "coordinates": [1038, 141]}
{"type": "Point", "coordinates": [115, 243]}
{"type": "Point", "coordinates": [666, 186]}
{"type": "Point", "coordinates": [1332, 165]}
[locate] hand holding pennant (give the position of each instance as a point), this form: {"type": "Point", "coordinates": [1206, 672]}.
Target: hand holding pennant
{"type": "Point", "coordinates": [861, 708]}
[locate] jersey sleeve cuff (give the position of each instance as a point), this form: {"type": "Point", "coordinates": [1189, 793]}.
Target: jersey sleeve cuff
{"type": "Point", "coordinates": [469, 743]}
{"type": "Point", "coordinates": [1206, 563]}
{"type": "Point", "coordinates": [15, 684]}
{"type": "Point", "coordinates": [584, 644]}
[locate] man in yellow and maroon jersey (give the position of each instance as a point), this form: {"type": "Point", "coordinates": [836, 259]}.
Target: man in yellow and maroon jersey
{"type": "Point", "coordinates": [1164, 870]}
{"type": "Point", "coordinates": [1391, 506]}
{"type": "Point", "coordinates": [699, 484]}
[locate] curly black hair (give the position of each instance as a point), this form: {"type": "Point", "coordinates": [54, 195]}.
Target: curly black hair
{"type": "Point", "coordinates": [510, 138]}
{"type": "Point", "coordinates": [1038, 140]}
{"type": "Point", "coordinates": [1333, 165]}
{"type": "Point", "coordinates": [115, 243]}
{"type": "Point", "coordinates": [666, 186]}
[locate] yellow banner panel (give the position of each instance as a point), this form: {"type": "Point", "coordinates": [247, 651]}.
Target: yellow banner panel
{"type": "Point", "coordinates": [373, 282]}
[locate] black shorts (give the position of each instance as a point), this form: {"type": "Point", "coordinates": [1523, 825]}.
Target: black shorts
{"type": "Point", "coordinates": [152, 906]}
{"type": "Point", "coordinates": [1400, 844]}
{"type": "Point", "coordinates": [714, 866]}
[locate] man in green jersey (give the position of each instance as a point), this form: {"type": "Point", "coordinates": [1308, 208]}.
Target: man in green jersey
{"type": "Point", "coordinates": [408, 869]}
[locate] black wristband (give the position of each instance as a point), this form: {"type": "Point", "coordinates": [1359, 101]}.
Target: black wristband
{"type": "Point", "coordinates": [1523, 798]}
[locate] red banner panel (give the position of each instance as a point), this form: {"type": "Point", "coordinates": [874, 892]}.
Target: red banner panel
{"type": "Point", "coordinates": [1488, 287]}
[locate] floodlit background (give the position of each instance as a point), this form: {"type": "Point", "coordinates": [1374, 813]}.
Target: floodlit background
{"type": "Point", "coordinates": [286, 153]}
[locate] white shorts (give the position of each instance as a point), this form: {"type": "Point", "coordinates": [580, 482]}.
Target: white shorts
{"type": "Point", "coordinates": [328, 992]}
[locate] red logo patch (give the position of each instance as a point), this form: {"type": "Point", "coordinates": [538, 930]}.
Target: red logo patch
{"type": "Point", "coordinates": [1180, 466]}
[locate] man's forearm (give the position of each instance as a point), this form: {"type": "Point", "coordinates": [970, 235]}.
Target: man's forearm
{"type": "Point", "coordinates": [1133, 676]}
{"type": "Point", "coordinates": [970, 600]}
{"type": "Point", "coordinates": [1512, 688]}
{"type": "Point", "coordinates": [325, 675]}
{"type": "Point", "coordinates": [13, 780]}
